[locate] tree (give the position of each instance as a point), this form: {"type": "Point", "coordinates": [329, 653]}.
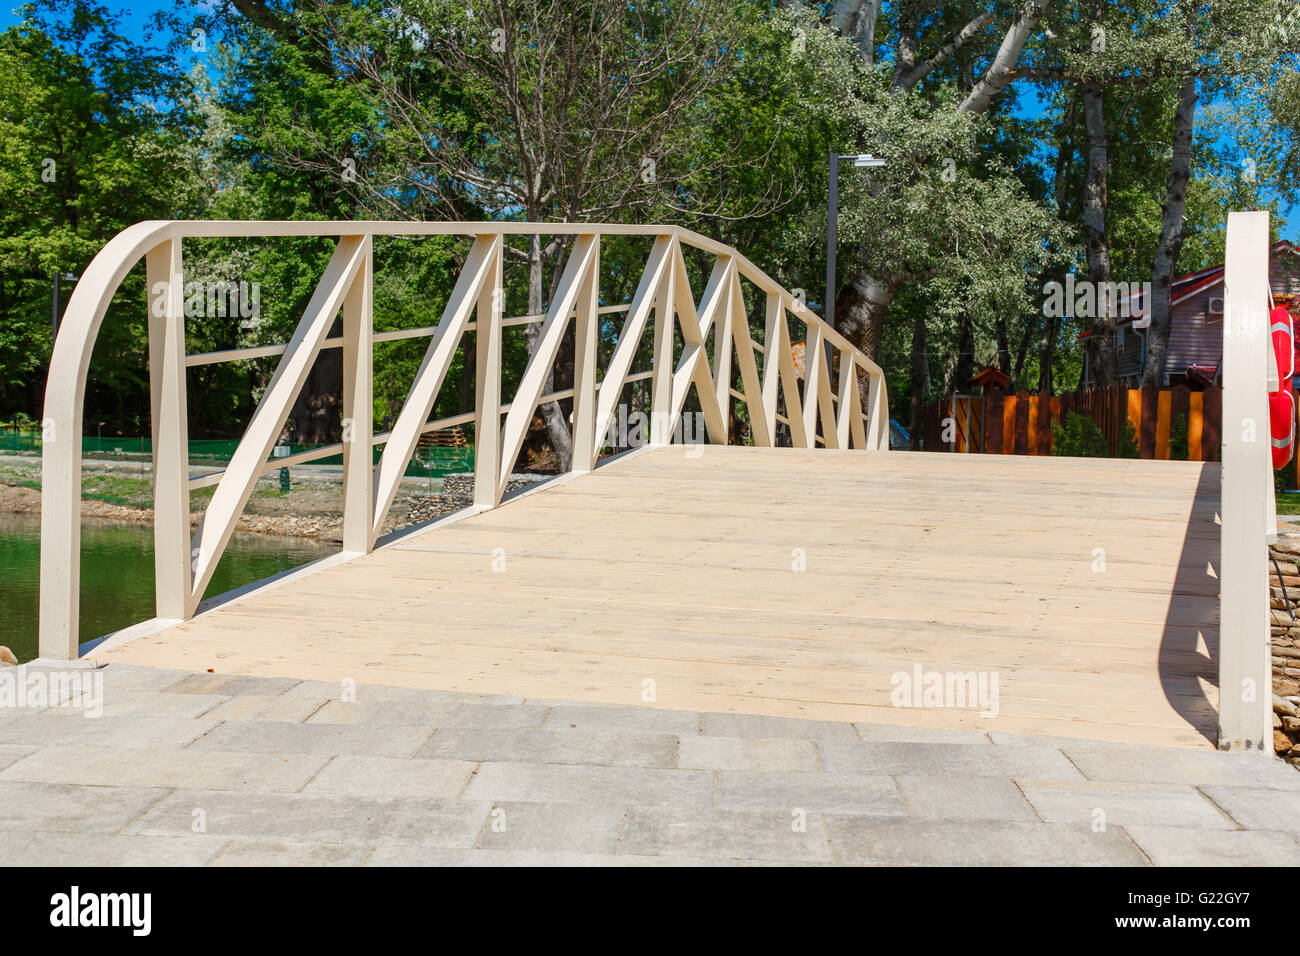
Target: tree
{"type": "Point", "coordinates": [89, 143]}
{"type": "Point", "coordinates": [529, 109]}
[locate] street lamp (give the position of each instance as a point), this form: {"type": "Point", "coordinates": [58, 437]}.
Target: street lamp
{"type": "Point", "coordinates": [68, 276]}
{"type": "Point", "coordinates": [863, 159]}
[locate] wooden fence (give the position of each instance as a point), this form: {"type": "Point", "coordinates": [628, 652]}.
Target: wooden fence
{"type": "Point", "coordinates": [1021, 424]}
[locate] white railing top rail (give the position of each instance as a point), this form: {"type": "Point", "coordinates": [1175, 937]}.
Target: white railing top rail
{"type": "Point", "coordinates": [814, 409]}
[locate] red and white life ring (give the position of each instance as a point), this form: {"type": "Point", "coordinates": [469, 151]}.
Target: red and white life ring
{"type": "Point", "coordinates": [1281, 411]}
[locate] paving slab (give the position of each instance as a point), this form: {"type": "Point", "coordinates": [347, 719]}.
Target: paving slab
{"type": "Point", "coordinates": [117, 702]}
{"type": "Point", "coordinates": [11, 752]}
{"type": "Point", "coordinates": [270, 853]}
{"type": "Point", "coordinates": [553, 827]}
{"type": "Point", "coordinates": [682, 723]}
{"type": "Point", "coordinates": [567, 783]}
{"type": "Point", "coordinates": [282, 736]}
{"type": "Point", "coordinates": [539, 746]}
{"type": "Point", "coordinates": [956, 760]}
{"type": "Point", "coordinates": [302, 818]}
{"type": "Point", "coordinates": [866, 841]}
{"type": "Point", "coordinates": [49, 727]}
{"type": "Point", "coordinates": [231, 685]}
{"type": "Point", "coordinates": [1178, 765]}
{"type": "Point", "coordinates": [432, 714]}
{"type": "Point", "coordinates": [1095, 804]}
{"type": "Point", "coordinates": [296, 708]}
{"type": "Point", "coordinates": [80, 809]}
{"type": "Point", "coordinates": [1178, 846]}
{"type": "Point", "coordinates": [436, 856]}
{"type": "Point", "coordinates": [970, 798]}
{"type": "Point", "coordinates": [902, 733]}
{"type": "Point", "coordinates": [1257, 808]}
{"type": "Point", "coordinates": [44, 848]}
{"type": "Point", "coordinates": [753, 834]}
{"type": "Point", "coordinates": [392, 777]}
{"type": "Point", "coordinates": [191, 768]}
{"type": "Point", "coordinates": [741, 753]}
{"type": "Point", "coordinates": [354, 691]}
{"type": "Point", "coordinates": [814, 792]}
{"type": "Point", "coordinates": [758, 725]}
{"type": "Point", "coordinates": [290, 773]}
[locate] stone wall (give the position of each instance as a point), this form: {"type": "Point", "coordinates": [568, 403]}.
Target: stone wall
{"type": "Point", "coordinates": [1286, 646]}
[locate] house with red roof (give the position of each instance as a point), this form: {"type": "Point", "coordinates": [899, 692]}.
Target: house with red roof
{"type": "Point", "coordinates": [1196, 329]}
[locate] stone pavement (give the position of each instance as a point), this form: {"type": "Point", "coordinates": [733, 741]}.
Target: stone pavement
{"type": "Point", "coordinates": [194, 768]}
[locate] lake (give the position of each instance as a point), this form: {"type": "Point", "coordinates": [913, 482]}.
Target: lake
{"type": "Point", "coordinates": [117, 574]}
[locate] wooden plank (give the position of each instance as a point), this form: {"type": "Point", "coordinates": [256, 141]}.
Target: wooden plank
{"type": "Point", "coordinates": [1150, 398]}
{"type": "Point", "coordinates": [1195, 421]}
{"type": "Point", "coordinates": [993, 424]}
{"type": "Point", "coordinates": [1022, 423]}
{"type": "Point", "coordinates": [1010, 415]}
{"type": "Point", "coordinates": [1044, 424]}
{"type": "Point", "coordinates": [1164, 414]}
{"type": "Point", "coordinates": [1180, 406]}
{"type": "Point", "coordinates": [1133, 397]}
{"type": "Point", "coordinates": [1213, 418]}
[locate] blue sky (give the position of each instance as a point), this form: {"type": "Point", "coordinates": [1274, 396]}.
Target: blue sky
{"type": "Point", "coordinates": [135, 18]}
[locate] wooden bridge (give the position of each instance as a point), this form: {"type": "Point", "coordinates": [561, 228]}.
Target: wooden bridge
{"type": "Point", "coordinates": [829, 579]}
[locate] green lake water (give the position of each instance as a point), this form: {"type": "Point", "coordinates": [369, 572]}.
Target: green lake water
{"type": "Point", "coordinates": [117, 574]}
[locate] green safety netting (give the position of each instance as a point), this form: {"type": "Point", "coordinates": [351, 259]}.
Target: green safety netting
{"type": "Point", "coordinates": [426, 463]}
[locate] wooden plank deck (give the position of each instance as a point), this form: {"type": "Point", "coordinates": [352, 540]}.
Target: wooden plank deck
{"type": "Point", "coordinates": [680, 570]}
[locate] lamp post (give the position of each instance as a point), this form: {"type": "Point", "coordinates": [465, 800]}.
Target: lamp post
{"type": "Point", "coordinates": [58, 276]}
{"type": "Point", "coordinates": [863, 159]}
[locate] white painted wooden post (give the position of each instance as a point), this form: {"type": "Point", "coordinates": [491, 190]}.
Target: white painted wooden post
{"type": "Point", "coordinates": [1245, 679]}
{"type": "Point", "coordinates": [877, 412]}
{"type": "Point", "coordinates": [487, 384]}
{"type": "Point", "coordinates": [586, 335]}
{"type": "Point", "coordinates": [661, 392]}
{"type": "Point", "coordinates": [358, 411]}
{"type": "Point", "coordinates": [171, 488]}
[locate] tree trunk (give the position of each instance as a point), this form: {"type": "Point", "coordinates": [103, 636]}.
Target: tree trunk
{"type": "Point", "coordinates": [861, 307]}
{"type": "Point", "coordinates": [1171, 236]}
{"type": "Point", "coordinates": [557, 429]}
{"type": "Point", "coordinates": [920, 380]}
{"type": "Point", "coordinates": [1101, 337]}
{"type": "Point", "coordinates": [1047, 355]}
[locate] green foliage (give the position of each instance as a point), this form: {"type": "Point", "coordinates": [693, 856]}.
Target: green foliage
{"type": "Point", "coordinates": [1128, 441]}
{"type": "Point", "coordinates": [1178, 438]}
{"type": "Point", "coordinates": [1079, 437]}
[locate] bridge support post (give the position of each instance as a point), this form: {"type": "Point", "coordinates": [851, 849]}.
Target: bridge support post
{"type": "Point", "coordinates": [173, 568]}
{"type": "Point", "coordinates": [661, 391]}
{"type": "Point", "coordinates": [586, 332]}
{"type": "Point", "coordinates": [487, 405]}
{"type": "Point", "coordinates": [358, 411]}
{"type": "Point", "coordinates": [1245, 679]}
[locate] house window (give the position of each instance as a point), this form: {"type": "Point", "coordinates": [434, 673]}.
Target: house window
{"type": "Point", "coordinates": [1119, 339]}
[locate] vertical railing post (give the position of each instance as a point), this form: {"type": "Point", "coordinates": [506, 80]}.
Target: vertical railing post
{"type": "Point", "coordinates": [877, 412]}
{"type": "Point", "coordinates": [173, 567]}
{"type": "Point", "coordinates": [586, 334]}
{"type": "Point", "coordinates": [661, 393]}
{"type": "Point", "coordinates": [358, 409]}
{"type": "Point", "coordinates": [487, 390]}
{"type": "Point", "coordinates": [1245, 679]}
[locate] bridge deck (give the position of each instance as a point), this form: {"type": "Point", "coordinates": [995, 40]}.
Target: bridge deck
{"type": "Point", "coordinates": [1082, 584]}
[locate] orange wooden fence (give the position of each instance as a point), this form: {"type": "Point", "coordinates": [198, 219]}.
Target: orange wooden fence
{"type": "Point", "coordinates": [1021, 424]}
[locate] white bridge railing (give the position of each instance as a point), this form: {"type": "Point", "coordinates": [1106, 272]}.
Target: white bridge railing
{"type": "Point", "coordinates": [1248, 522]}
{"type": "Point", "coordinates": [817, 410]}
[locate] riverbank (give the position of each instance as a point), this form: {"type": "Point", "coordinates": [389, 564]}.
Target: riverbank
{"type": "Point", "coordinates": [311, 508]}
